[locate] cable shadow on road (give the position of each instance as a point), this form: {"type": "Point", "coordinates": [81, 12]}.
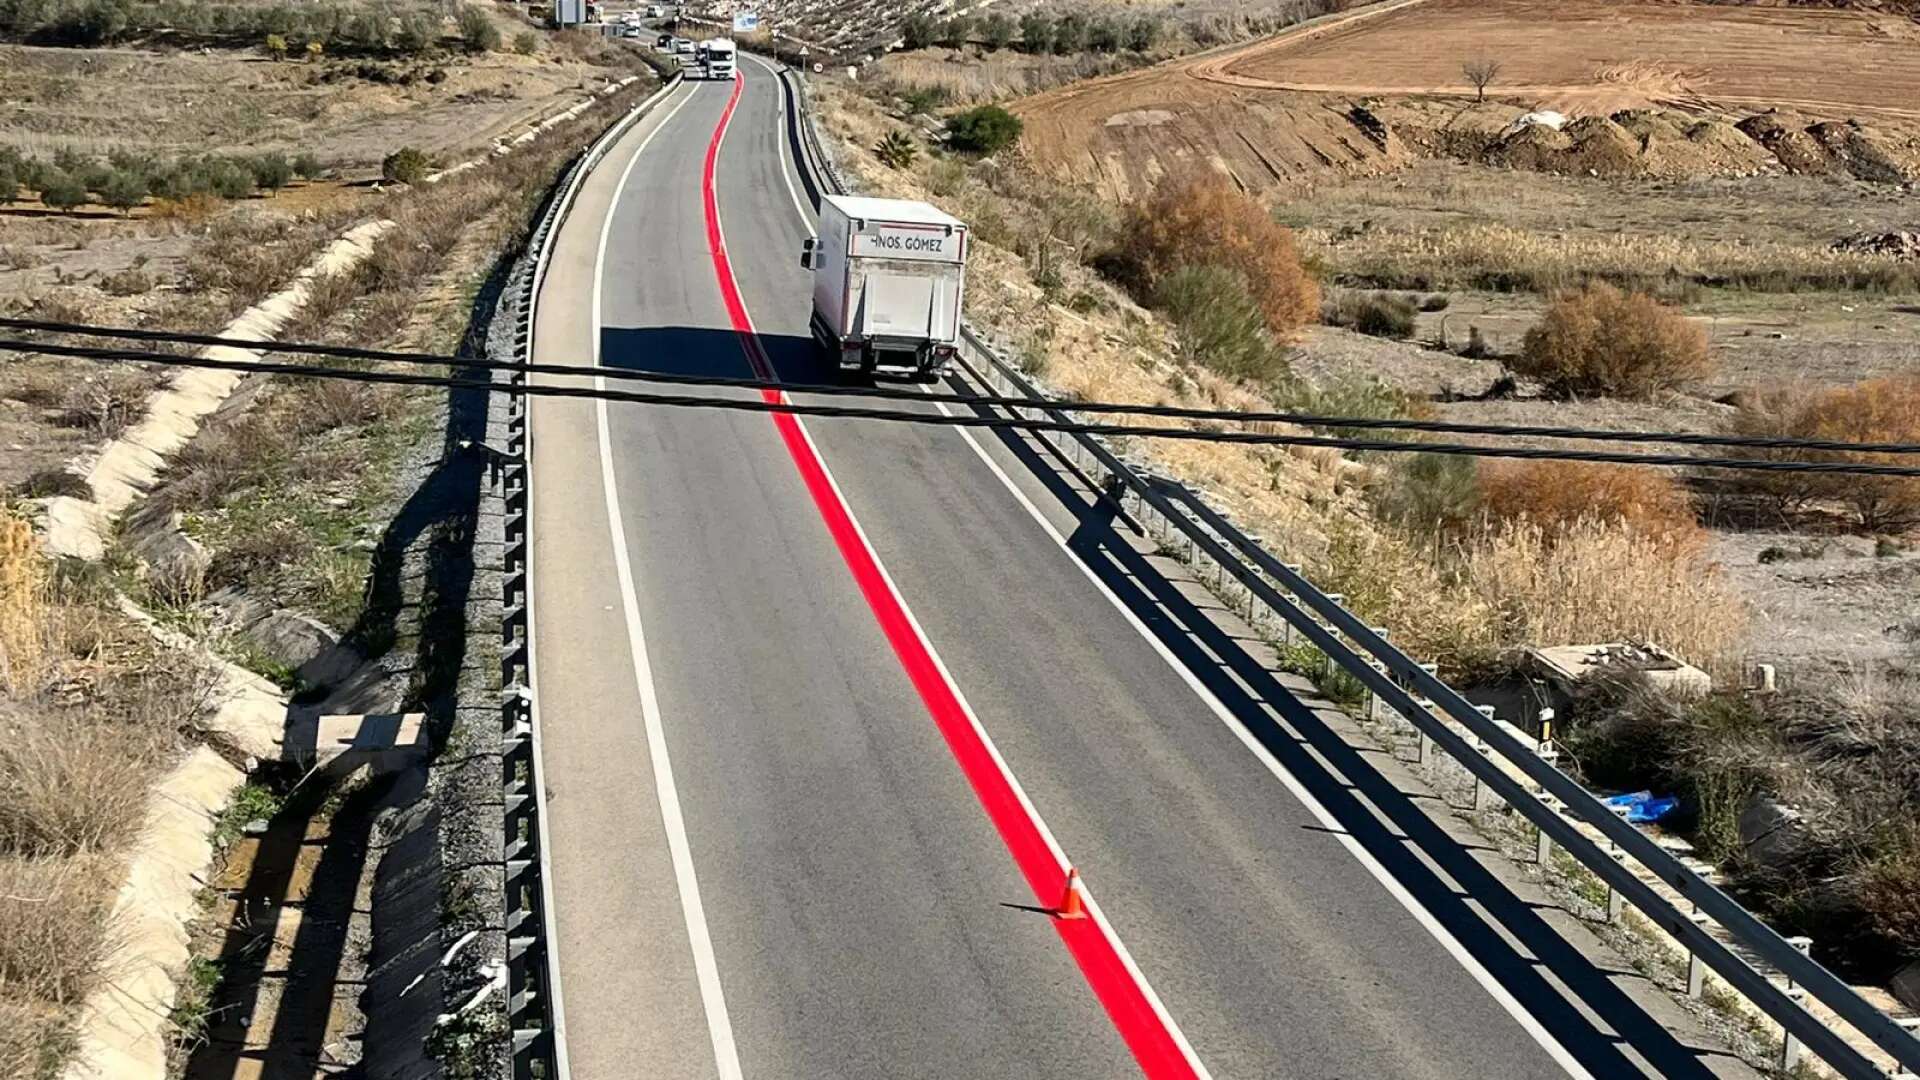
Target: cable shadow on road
{"type": "Point", "coordinates": [1301, 740]}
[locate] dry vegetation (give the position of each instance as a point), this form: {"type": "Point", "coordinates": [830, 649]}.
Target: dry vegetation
{"type": "Point", "coordinates": [1598, 340]}
{"type": "Point", "coordinates": [1466, 563]}
{"type": "Point", "coordinates": [90, 710]}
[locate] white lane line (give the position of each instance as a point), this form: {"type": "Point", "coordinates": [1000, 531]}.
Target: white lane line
{"type": "Point", "coordinates": [786, 174]}
{"type": "Point", "coordinates": [606, 224]}
{"type": "Point", "coordinates": [706, 968]}
{"type": "Point", "coordinates": [1292, 783]}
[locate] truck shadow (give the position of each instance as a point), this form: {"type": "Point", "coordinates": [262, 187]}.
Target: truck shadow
{"type": "Point", "coordinates": [709, 351]}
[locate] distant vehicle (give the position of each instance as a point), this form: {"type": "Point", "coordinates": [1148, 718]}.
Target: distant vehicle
{"type": "Point", "coordinates": [664, 43]}
{"type": "Point", "coordinates": [888, 277]}
{"type": "Point", "coordinates": [654, 11]}
{"type": "Point", "coordinates": [682, 47]}
{"type": "Point", "coordinates": [714, 59]}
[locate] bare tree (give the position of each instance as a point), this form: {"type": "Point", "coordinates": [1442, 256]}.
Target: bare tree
{"type": "Point", "coordinates": [1480, 73]}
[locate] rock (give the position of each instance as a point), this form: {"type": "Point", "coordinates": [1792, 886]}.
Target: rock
{"type": "Point", "coordinates": [290, 638]}
{"type": "Point", "coordinates": [1905, 985]}
{"type": "Point", "coordinates": [1904, 244]}
{"type": "Point", "coordinates": [1771, 832]}
{"type": "Point", "coordinates": [176, 564]}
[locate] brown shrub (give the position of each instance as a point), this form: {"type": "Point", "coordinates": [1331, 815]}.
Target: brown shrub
{"type": "Point", "coordinates": [1558, 494]}
{"type": "Point", "coordinates": [23, 607]}
{"type": "Point", "coordinates": [1877, 411]}
{"type": "Point", "coordinates": [1201, 219]}
{"type": "Point", "coordinates": [1599, 340]}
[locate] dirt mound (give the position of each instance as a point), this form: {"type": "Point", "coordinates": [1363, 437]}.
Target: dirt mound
{"type": "Point", "coordinates": [1639, 143]}
{"type": "Point", "coordinates": [1866, 153]}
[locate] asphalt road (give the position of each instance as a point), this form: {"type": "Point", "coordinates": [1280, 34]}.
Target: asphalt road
{"type": "Point", "coordinates": [766, 859]}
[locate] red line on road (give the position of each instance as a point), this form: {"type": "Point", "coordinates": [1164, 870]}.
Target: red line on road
{"type": "Point", "coordinates": [1148, 1035]}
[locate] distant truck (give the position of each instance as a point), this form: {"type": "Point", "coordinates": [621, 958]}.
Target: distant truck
{"type": "Point", "coordinates": [888, 277]}
{"type": "Point", "coordinates": [714, 58]}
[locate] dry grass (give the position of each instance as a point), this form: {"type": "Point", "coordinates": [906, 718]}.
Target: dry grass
{"type": "Point", "coordinates": [1598, 340]}
{"type": "Point", "coordinates": [23, 607]}
{"type": "Point", "coordinates": [52, 912]}
{"type": "Point", "coordinates": [1597, 581]}
{"type": "Point", "coordinates": [1503, 258]}
{"type": "Point", "coordinates": [64, 783]}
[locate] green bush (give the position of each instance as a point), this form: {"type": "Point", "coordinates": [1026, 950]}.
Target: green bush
{"type": "Point", "coordinates": [919, 31]}
{"type": "Point", "coordinates": [920, 100]}
{"type": "Point", "coordinates": [9, 183]}
{"type": "Point", "coordinates": [405, 166]}
{"type": "Point", "coordinates": [896, 150]}
{"type": "Point", "coordinates": [1069, 35]}
{"type": "Point", "coordinates": [1036, 32]}
{"type": "Point", "coordinates": [228, 179]}
{"type": "Point", "coordinates": [526, 42]}
{"type": "Point", "coordinates": [1377, 315]}
{"type": "Point", "coordinates": [1218, 323]}
{"type": "Point", "coordinates": [997, 30]}
{"type": "Point", "coordinates": [477, 32]}
{"type": "Point", "coordinates": [415, 33]}
{"type": "Point", "coordinates": [62, 190]}
{"type": "Point", "coordinates": [270, 171]}
{"type": "Point", "coordinates": [307, 167]}
{"type": "Point", "coordinates": [124, 190]}
{"type": "Point", "coordinates": [1104, 35]}
{"type": "Point", "coordinates": [1428, 495]}
{"type": "Point", "coordinates": [1143, 34]}
{"type": "Point", "coordinates": [985, 129]}
{"type": "Point", "coordinates": [956, 32]}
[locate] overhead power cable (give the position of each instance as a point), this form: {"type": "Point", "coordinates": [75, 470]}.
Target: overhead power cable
{"type": "Point", "coordinates": [1169, 412]}
{"type": "Point", "coordinates": [787, 405]}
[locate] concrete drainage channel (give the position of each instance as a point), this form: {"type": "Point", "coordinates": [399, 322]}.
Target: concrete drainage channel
{"type": "Point", "coordinates": [1805, 1006]}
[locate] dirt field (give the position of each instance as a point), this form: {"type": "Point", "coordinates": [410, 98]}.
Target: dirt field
{"type": "Point", "coordinates": [1366, 91]}
{"type": "Point", "coordinates": [353, 114]}
{"type": "Point", "coordinates": [1594, 57]}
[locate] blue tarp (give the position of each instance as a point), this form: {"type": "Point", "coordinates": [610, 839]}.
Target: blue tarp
{"type": "Point", "coordinates": [1642, 807]}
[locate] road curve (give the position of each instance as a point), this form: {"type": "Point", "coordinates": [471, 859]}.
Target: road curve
{"type": "Point", "coordinates": [779, 851]}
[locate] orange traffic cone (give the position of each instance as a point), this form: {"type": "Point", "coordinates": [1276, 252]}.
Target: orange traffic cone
{"type": "Point", "coordinates": [1070, 904]}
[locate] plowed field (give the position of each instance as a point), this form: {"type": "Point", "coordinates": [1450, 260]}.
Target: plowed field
{"type": "Point", "coordinates": [1283, 109]}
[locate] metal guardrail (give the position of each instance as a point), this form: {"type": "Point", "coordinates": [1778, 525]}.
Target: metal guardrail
{"type": "Point", "coordinates": [533, 978]}
{"type": "Point", "coordinates": [1547, 797]}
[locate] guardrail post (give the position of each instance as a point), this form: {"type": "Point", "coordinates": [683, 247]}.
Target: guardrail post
{"type": "Point", "coordinates": [1696, 967]}
{"type": "Point", "coordinates": [1616, 903]}
{"type": "Point", "coordinates": [1790, 1049]}
{"type": "Point", "coordinates": [1482, 794]}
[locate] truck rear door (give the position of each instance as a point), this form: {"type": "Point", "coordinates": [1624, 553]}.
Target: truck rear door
{"type": "Point", "coordinates": [897, 305]}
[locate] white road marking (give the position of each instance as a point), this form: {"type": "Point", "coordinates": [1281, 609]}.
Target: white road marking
{"type": "Point", "coordinates": [786, 174]}
{"type": "Point", "coordinates": [1292, 783]}
{"type": "Point", "coordinates": [706, 967]}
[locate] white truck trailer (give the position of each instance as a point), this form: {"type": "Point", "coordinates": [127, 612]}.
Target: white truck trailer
{"type": "Point", "coordinates": [888, 275]}
{"type": "Point", "coordinates": [714, 58]}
